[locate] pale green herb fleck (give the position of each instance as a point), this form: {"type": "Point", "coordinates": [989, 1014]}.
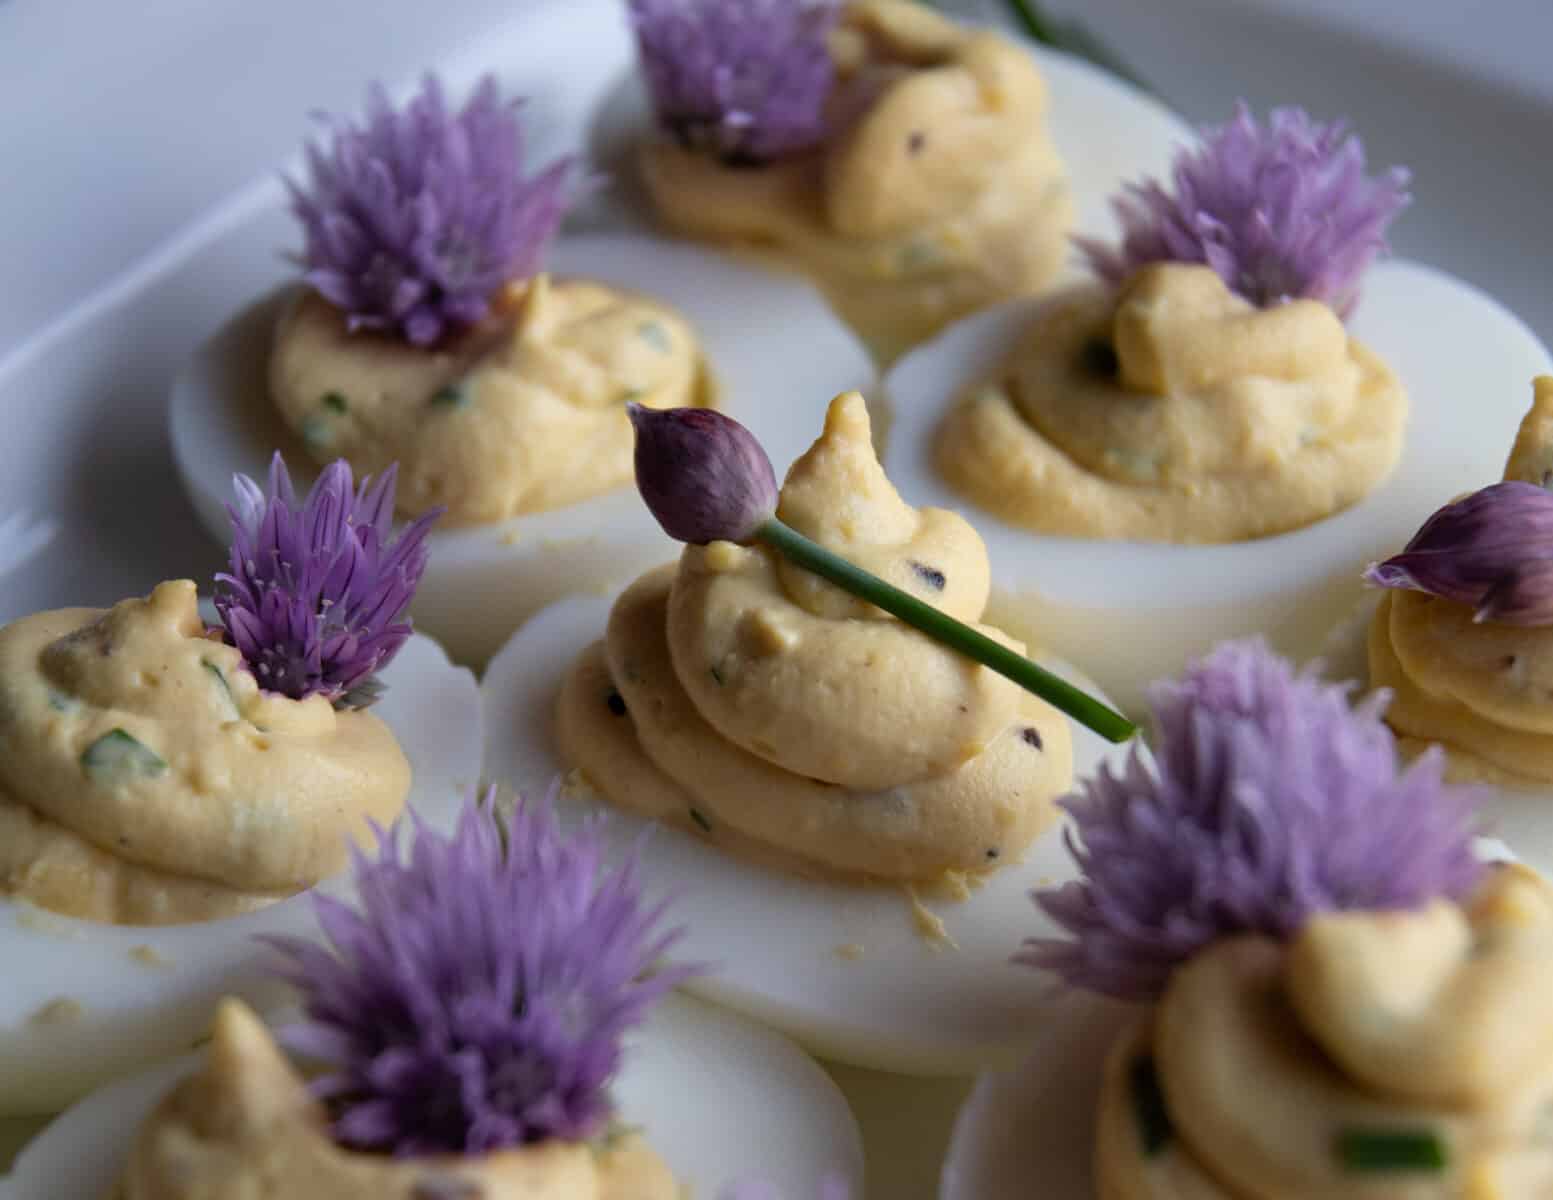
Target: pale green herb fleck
{"type": "Point", "coordinates": [117, 753]}
{"type": "Point", "coordinates": [455, 395]}
{"type": "Point", "coordinates": [317, 432]}
{"type": "Point", "coordinates": [656, 336]}
{"type": "Point", "coordinates": [221, 681]}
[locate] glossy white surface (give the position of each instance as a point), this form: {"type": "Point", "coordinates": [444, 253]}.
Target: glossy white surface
{"type": "Point", "coordinates": [719, 1098]}
{"type": "Point", "coordinates": [1029, 1131]}
{"type": "Point", "coordinates": [145, 993]}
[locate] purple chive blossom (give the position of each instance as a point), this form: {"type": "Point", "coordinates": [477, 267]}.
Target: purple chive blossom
{"type": "Point", "coordinates": [478, 997]}
{"type": "Point", "coordinates": [1283, 211]}
{"type": "Point", "coordinates": [1269, 801]}
{"type": "Point", "coordinates": [416, 218]}
{"type": "Point", "coordinates": [1492, 550]}
{"type": "Point", "coordinates": [745, 80]}
{"type": "Point", "coordinates": [316, 592]}
{"type": "Point", "coordinates": [703, 475]}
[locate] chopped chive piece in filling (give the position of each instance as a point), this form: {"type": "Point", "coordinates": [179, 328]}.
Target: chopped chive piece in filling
{"type": "Point", "coordinates": [335, 402]}
{"type": "Point", "coordinates": [717, 676]}
{"type": "Point", "coordinates": [221, 682]}
{"type": "Point", "coordinates": [1367, 1150]}
{"type": "Point", "coordinates": [452, 396]}
{"type": "Point", "coordinates": [656, 336]}
{"type": "Point", "coordinates": [699, 818]}
{"type": "Point", "coordinates": [60, 702]}
{"type": "Point", "coordinates": [1148, 1107]}
{"type": "Point", "coordinates": [117, 753]}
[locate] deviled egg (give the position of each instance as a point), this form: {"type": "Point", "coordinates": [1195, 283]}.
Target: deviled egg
{"type": "Point", "coordinates": [167, 787]}
{"type": "Point", "coordinates": [915, 168]}
{"type": "Point", "coordinates": [425, 332]}
{"type": "Point", "coordinates": [1457, 639]}
{"type": "Point", "coordinates": [1196, 445]}
{"type": "Point", "coordinates": [1293, 976]}
{"type": "Point", "coordinates": [822, 770]}
{"type": "Point", "coordinates": [524, 998]}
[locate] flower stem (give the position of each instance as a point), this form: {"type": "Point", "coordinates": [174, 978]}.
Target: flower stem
{"type": "Point", "coordinates": [1072, 38]}
{"type": "Point", "coordinates": [943, 628]}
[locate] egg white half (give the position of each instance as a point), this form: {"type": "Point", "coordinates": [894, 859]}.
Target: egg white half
{"type": "Point", "coordinates": [895, 1000]}
{"type": "Point", "coordinates": [1133, 612]}
{"type": "Point", "coordinates": [778, 354]}
{"type": "Point", "coordinates": [719, 1098]}
{"type": "Point", "coordinates": [1030, 1130]}
{"type": "Point", "coordinates": [82, 1002]}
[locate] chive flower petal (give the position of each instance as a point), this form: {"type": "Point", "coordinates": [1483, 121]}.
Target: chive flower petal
{"type": "Point", "coordinates": [744, 80]}
{"type": "Point", "coordinates": [1269, 801]}
{"type": "Point", "coordinates": [315, 594]}
{"type": "Point", "coordinates": [1492, 551]}
{"type": "Point", "coordinates": [1280, 211]}
{"type": "Point", "coordinates": [477, 997]}
{"type": "Point", "coordinates": [415, 218]}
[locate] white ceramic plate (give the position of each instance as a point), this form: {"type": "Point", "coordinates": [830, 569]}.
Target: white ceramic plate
{"type": "Point", "coordinates": [719, 1098]}
{"type": "Point", "coordinates": [1132, 612]}
{"type": "Point", "coordinates": [901, 1004]}
{"type": "Point", "coordinates": [146, 993]}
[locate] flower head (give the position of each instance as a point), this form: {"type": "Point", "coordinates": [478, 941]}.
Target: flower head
{"type": "Point", "coordinates": [316, 592]}
{"type": "Point", "coordinates": [1269, 801]}
{"type": "Point", "coordinates": [746, 80]}
{"type": "Point", "coordinates": [703, 475]}
{"type": "Point", "coordinates": [417, 217]}
{"type": "Point", "coordinates": [1492, 550]}
{"type": "Point", "coordinates": [478, 997]}
{"type": "Point", "coordinates": [1282, 211]}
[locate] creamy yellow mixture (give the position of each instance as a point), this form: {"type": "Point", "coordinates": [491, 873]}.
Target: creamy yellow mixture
{"type": "Point", "coordinates": [1272, 1073]}
{"type": "Point", "coordinates": [744, 699]}
{"type": "Point", "coordinates": [145, 778]}
{"type": "Point", "coordinates": [1482, 690]}
{"type": "Point", "coordinates": [1171, 410]}
{"type": "Point", "coordinates": [521, 414]}
{"type": "Point", "coordinates": [245, 1128]}
{"type": "Point", "coordinates": [942, 195]}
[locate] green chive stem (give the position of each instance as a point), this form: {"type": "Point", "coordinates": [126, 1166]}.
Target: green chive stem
{"type": "Point", "coordinates": [943, 628]}
{"type": "Point", "coordinates": [1072, 38]}
{"type": "Point", "coordinates": [1034, 22]}
{"type": "Point", "coordinates": [1386, 1150]}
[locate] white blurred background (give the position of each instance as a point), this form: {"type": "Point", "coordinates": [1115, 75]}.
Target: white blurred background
{"type": "Point", "coordinates": [124, 122]}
